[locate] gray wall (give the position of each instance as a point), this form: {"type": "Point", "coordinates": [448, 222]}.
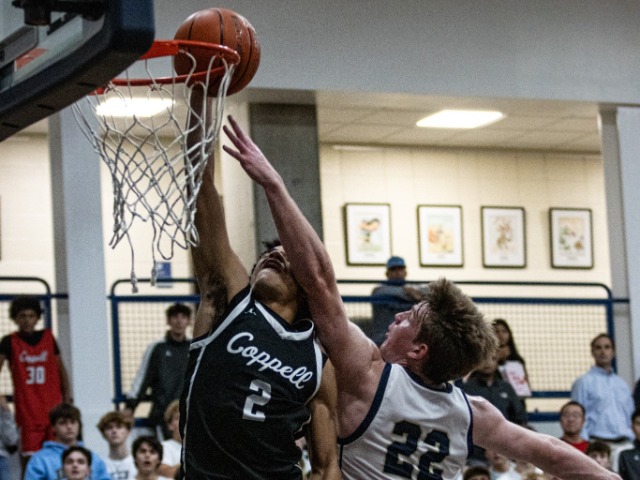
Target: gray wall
{"type": "Point", "coordinates": [288, 136]}
{"type": "Point", "coordinates": [540, 49]}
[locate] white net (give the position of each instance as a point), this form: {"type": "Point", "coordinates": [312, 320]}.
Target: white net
{"type": "Point", "coordinates": [156, 175]}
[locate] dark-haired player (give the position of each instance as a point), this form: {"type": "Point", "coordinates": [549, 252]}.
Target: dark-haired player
{"type": "Point", "coordinates": [255, 368]}
{"type": "Point", "coordinates": [40, 380]}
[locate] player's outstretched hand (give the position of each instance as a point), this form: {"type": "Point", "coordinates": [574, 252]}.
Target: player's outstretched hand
{"type": "Point", "coordinates": [251, 159]}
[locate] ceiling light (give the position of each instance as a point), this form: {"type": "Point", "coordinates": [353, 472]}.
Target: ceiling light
{"type": "Point", "coordinates": [460, 119]}
{"type": "Point", "coordinates": [128, 107]}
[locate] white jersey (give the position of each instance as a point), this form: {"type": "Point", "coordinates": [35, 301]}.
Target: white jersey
{"type": "Point", "coordinates": [123, 469]}
{"type": "Point", "coordinates": [411, 431]}
{"type": "Point", "coordinates": [171, 450]}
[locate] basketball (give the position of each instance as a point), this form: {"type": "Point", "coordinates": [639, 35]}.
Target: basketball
{"type": "Point", "coordinates": [224, 27]}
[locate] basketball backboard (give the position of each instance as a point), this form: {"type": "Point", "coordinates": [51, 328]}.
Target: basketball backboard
{"type": "Point", "coordinates": [53, 52]}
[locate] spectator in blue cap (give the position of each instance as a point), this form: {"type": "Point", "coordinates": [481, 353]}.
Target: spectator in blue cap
{"type": "Point", "coordinates": [397, 267]}
{"type": "Point", "coordinates": [391, 297]}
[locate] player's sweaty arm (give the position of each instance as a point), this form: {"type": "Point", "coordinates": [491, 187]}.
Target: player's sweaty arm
{"type": "Point", "coordinates": [218, 270]}
{"type": "Point", "coordinates": [492, 431]}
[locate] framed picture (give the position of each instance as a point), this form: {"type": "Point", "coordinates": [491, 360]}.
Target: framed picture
{"type": "Point", "coordinates": [571, 238]}
{"type": "Point", "coordinates": [440, 235]}
{"type": "Point", "coordinates": [503, 237]}
{"type": "Point", "coordinates": [367, 233]}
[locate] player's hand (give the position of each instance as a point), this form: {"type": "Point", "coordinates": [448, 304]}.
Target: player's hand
{"type": "Point", "coordinates": [251, 159]}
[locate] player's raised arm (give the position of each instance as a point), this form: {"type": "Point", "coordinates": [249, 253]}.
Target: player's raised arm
{"type": "Point", "coordinates": [217, 267]}
{"type": "Point", "coordinates": [493, 432]}
{"type": "Point", "coordinates": [309, 259]}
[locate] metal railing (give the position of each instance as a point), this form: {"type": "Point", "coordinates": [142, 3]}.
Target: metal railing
{"type": "Point", "coordinates": [553, 323]}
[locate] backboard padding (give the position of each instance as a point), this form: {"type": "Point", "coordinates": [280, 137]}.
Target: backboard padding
{"type": "Point", "coordinates": [126, 33]}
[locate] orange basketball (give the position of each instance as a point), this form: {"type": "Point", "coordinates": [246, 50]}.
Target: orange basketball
{"type": "Point", "coordinates": [224, 27]}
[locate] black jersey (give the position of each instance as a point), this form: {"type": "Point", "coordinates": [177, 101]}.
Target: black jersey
{"type": "Point", "coordinates": [246, 393]}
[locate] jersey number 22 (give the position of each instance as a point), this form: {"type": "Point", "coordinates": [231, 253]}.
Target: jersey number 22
{"type": "Point", "coordinates": [437, 444]}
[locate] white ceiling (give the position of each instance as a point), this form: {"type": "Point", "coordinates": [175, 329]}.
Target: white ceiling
{"type": "Point", "coordinates": [365, 119]}
{"type": "Point", "coordinates": [360, 119]}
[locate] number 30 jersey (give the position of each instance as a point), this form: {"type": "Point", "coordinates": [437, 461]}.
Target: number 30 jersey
{"type": "Point", "coordinates": [36, 377]}
{"type": "Point", "coordinates": [246, 393]}
{"type": "Point", "coordinates": [411, 431]}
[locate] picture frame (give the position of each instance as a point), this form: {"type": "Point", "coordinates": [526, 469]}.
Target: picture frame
{"type": "Point", "coordinates": [503, 237]}
{"type": "Point", "coordinates": [571, 235]}
{"type": "Point", "coordinates": [367, 233]}
{"type": "Point", "coordinates": [440, 235]}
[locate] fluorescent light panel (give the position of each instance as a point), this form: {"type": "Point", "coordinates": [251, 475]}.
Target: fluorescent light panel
{"type": "Point", "coordinates": [128, 107]}
{"type": "Point", "coordinates": [460, 119]}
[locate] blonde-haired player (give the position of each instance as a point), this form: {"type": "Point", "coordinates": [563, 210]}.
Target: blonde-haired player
{"type": "Point", "coordinates": [398, 414]}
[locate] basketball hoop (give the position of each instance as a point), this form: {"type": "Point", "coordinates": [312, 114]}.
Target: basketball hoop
{"type": "Point", "coordinates": [156, 177]}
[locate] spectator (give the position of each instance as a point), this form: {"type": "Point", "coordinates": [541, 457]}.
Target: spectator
{"type": "Point", "coordinates": [500, 467]}
{"type": "Point", "coordinates": [172, 447]}
{"type": "Point", "coordinates": [162, 370]}
{"type": "Point", "coordinates": [507, 350]}
{"type": "Point", "coordinates": [115, 428]}
{"type": "Point", "coordinates": [476, 473]}
{"type": "Point", "coordinates": [629, 460]}
{"type": "Point", "coordinates": [147, 454]}
{"type": "Point", "coordinates": [606, 399]}
{"type": "Point", "coordinates": [395, 296]}
{"type": "Point", "coordinates": [8, 437]}
{"type": "Point", "coordinates": [600, 452]}
{"type": "Point", "coordinates": [76, 463]}
{"type": "Point", "coordinates": [636, 394]}
{"type": "Point", "coordinates": [46, 464]}
{"type": "Point", "coordinates": [572, 417]}
{"type": "Point", "coordinates": [40, 380]}
{"type": "Point", "coordinates": [485, 383]}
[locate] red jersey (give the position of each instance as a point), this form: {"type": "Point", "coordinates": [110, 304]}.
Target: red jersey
{"type": "Point", "coordinates": [36, 379]}
{"type": "Point", "coordinates": [581, 445]}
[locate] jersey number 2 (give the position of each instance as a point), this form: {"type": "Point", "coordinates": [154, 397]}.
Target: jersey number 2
{"type": "Point", "coordinates": [260, 398]}
{"type": "Point", "coordinates": [437, 450]}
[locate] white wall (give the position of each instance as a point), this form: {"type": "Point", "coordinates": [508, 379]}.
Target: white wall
{"type": "Point", "coordinates": [26, 239]}
{"type": "Point", "coordinates": [403, 177]}
{"type": "Point", "coordinates": [26, 233]}
{"type": "Point", "coordinates": [408, 177]}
